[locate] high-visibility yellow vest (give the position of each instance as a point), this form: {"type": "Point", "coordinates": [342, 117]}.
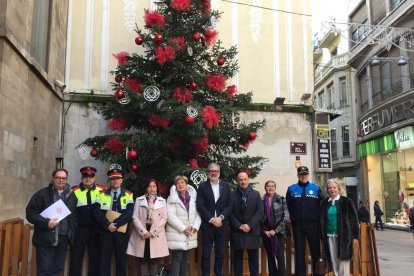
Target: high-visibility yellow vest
{"type": "Point", "coordinates": [82, 197]}
{"type": "Point", "coordinates": [105, 199]}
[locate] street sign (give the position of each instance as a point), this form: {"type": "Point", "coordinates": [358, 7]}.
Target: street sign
{"type": "Point", "coordinates": [297, 148]}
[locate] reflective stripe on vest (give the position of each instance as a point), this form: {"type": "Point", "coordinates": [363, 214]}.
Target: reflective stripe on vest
{"type": "Point", "coordinates": [106, 201]}
{"type": "Point", "coordinates": [83, 199]}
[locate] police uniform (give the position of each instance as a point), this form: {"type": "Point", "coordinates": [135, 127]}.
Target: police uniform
{"type": "Point", "coordinates": [87, 234]}
{"type": "Point", "coordinates": [120, 201]}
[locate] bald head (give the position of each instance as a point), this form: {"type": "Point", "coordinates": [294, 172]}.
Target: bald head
{"type": "Point", "coordinates": [243, 180]}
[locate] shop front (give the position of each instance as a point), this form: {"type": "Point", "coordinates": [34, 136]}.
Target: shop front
{"type": "Point", "coordinates": [389, 174]}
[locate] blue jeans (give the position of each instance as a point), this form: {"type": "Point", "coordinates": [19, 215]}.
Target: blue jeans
{"type": "Point", "coordinates": [253, 262]}
{"type": "Point", "coordinates": [50, 260]}
{"type": "Point", "coordinates": [179, 265]}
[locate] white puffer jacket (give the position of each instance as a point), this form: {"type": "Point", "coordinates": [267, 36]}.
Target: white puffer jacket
{"type": "Point", "coordinates": [179, 219]}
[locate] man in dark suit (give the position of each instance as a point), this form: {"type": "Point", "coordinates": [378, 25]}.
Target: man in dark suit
{"type": "Point", "coordinates": [214, 206]}
{"type": "Point", "coordinates": [245, 225]}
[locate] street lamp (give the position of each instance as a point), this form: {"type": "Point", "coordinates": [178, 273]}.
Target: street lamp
{"type": "Point", "coordinates": [401, 60]}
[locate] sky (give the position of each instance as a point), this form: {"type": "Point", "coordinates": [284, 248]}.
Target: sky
{"type": "Point", "coordinates": [322, 10]}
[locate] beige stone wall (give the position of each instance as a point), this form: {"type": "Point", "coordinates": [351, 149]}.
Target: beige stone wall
{"type": "Point", "coordinates": [30, 105]}
{"type": "Point", "coordinates": [275, 53]}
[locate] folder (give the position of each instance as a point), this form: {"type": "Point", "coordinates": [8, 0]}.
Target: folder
{"type": "Point", "coordinates": [111, 216]}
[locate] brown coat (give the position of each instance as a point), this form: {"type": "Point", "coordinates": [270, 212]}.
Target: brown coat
{"type": "Point", "coordinates": [158, 244]}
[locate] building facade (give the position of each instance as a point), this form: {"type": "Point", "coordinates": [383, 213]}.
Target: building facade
{"type": "Point", "coordinates": [32, 70]}
{"type": "Point", "coordinates": [275, 59]}
{"type": "Point", "coordinates": [335, 92]}
{"type": "Point", "coordinates": [381, 43]}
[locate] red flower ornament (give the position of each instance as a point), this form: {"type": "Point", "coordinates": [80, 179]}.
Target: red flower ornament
{"type": "Point", "coordinates": [114, 145]}
{"type": "Point", "coordinates": [182, 95]}
{"type": "Point", "coordinates": [117, 124]}
{"type": "Point", "coordinates": [153, 19]}
{"type": "Point", "coordinates": [178, 43]}
{"type": "Point", "coordinates": [201, 145]}
{"type": "Point", "coordinates": [231, 91]}
{"type": "Point", "coordinates": [122, 57]}
{"type": "Point", "coordinates": [133, 85]}
{"type": "Point", "coordinates": [159, 122]}
{"type": "Point", "coordinates": [211, 118]}
{"type": "Point", "coordinates": [181, 5]}
{"type": "Point", "coordinates": [193, 163]}
{"type": "Point", "coordinates": [210, 36]}
{"type": "Point", "coordinates": [164, 55]}
{"type": "Point", "coordinates": [215, 82]}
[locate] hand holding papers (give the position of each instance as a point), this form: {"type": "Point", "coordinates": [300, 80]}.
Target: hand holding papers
{"type": "Point", "coordinates": [111, 216]}
{"type": "Point", "coordinates": [57, 210]}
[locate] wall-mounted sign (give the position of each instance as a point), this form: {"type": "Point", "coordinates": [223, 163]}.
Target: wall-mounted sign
{"type": "Point", "coordinates": [324, 155]}
{"type": "Point", "coordinates": [297, 148]}
{"type": "Point", "coordinates": [390, 113]}
{"type": "Point", "coordinates": [404, 137]}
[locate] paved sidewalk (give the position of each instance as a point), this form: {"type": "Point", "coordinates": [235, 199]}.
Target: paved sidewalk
{"type": "Point", "coordinates": [395, 252]}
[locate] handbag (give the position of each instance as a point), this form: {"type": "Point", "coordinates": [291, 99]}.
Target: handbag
{"type": "Point", "coordinates": [164, 271]}
{"type": "Point", "coordinates": [322, 266]}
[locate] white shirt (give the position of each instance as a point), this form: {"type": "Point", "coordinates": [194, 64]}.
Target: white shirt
{"type": "Point", "coordinates": [216, 192]}
{"type": "Point", "coordinates": [333, 200]}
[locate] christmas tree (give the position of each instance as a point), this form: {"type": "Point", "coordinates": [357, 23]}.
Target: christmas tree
{"type": "Point", "coordinates": [173, 111]}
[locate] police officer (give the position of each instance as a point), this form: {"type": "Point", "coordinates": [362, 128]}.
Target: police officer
{"type": "Point", "coordinates": [117, 202]}
{"type": "Point", "coordinates": [87, 233]}
{"type": "Point", "coordinates": [303, 200]}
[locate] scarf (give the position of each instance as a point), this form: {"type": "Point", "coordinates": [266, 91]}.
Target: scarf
{"type": "Point", "coordinates": [151, 201]}
{"type": "Point", "coordinates": [244, 194]}
{"type": "Point", "coordinates": [185, 199]}
{"type": "Point", "coordinates": [271, 222]}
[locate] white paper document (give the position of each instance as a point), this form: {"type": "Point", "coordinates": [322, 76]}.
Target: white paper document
{"type": "Point", "coordinates": [57, 210]}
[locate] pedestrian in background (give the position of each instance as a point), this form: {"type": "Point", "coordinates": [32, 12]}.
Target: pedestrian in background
{"type": "Point", "coordinates": [245, 218]}
{"type": "Point", "coordinates": [363, 213]}
{"type": "Point", "coordinates": [339, 227]}
{"type": "Point", "coordinates": [51, 236]}
{"type": "Point", "coordinates": [276, 216]}
{"type": "Point", "coordinates": [214, 205]}
{"type": "Point", "coordinates": [183, 224]}
{"type": "Point", "coordinates": [148, 241]}
{"type": "Point", "coordinates": [303, 200]}
{"type": "Point", "coordinates": [113, 211]}
{"type": "Point", "coordinates": [378, 214]}
{"type": "Point", "coordinates": [411, 217]}
{"type": "Point", "coordinates": [87, 233]}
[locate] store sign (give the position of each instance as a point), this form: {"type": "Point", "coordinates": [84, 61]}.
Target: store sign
{"type": "Point", "coordinates": [398, 110]}
{"type": "Point", "coordinates": [324, 148]}
{"type": "Point", "coordinates": [297, 148]}
{"type": "Point", "coordinates": [324, 154]}
{"type": "Point", "coordinates": [404, 138]}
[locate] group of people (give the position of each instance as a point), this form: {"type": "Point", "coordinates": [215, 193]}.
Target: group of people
{"type": "Point", "coordinates": [99, 218]}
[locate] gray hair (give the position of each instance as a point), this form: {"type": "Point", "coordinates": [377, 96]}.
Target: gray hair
{"type": "Point", "coordinates": [212, 164]}
{"type": "Point", "coordinates": [335, 182]}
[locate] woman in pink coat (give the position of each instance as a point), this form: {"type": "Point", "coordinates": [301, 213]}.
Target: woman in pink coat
{"type": "Point", "coordinates": [148, 240]}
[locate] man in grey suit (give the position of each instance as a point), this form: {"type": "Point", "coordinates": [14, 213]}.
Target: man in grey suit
{"type": "Point", "coordinates": [214, 206]}
{"type": "Point", "coordinates": [245, 225]}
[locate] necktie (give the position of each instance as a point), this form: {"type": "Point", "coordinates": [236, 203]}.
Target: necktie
{"type": "Point", "coordinates": [88, 197]}
{"type": "Point", "coordinates": [114, 201]}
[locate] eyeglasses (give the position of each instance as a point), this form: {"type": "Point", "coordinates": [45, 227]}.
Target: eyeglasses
{"type": "Point", "coordinates": [213, 171]}
{"type": "Point", "coordinates": [60, 178]}
{"type": "Point", "coordinates": [88, 176]}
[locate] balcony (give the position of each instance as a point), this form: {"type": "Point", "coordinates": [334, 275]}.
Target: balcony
{"type": "Point", "coordinates": [334, 64]}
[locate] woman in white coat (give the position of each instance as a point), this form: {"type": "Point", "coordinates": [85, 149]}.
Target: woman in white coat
{"type": "Point", "coordinates": [148, 241]}
{"type": "Point", "coordinates": [183, 224]}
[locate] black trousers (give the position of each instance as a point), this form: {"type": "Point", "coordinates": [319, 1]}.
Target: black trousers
{"type": "Point", "coordinates": [113, 242]}
{"type": "Point", "coordinates": [279, 269]}
{"type": "Point", "coordinates": [85, 237]}
{"type": "Point", "coordinates": [378, 220]}
{"type": "Point", "coordinates": [217, 236]}
{"type": "Point", "coordinates": [253, 262]}
{"type": "Point", "coordinates": [303, 232]}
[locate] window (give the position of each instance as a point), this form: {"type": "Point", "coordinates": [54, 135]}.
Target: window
{"type": "Point", "coordinates": [363, 90]}
{"type": "Point", "coordinates": [333, 144]}
{"type": "Point", "coordinates": [394, 4]}
{"type": "Point", "coordinates": [330, 94]}
{"type": "Point", "coordinates": [342, 93]}
{"type": "Point", "coordinates": [345, 141]}
{"type": "Point", "coordinates": [40, 32]}
{"type": "Point", "coordinates": [321, 100]}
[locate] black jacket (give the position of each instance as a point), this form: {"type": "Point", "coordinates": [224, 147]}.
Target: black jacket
{"type": "Point", "coordinates": [251, 216]}
{"type": "Point", "coordinates": [303, 201]}
{"type": "Point", "coordinates": [377, 210]}
{"type": "Point", "coordinates": [206, 206]}
{"type": "Point", "coordinates": [348, 228]}
{"type": "Point", "coordinates": [44, 236]}
{"type": "Point", "coordinates": [363, 215]}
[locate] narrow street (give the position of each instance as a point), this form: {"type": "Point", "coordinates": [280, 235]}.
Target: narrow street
{"type": "Point", "coordinates": [395, 252]}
